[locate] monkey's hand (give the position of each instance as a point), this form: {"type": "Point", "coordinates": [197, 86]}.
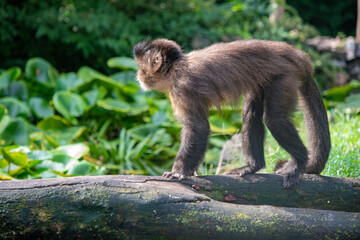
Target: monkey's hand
{"type": "Point", "coordinates": [177, 175]}
{"type": "Point", "coordinates": [240, 171]}
{"type": "Point", "coordinates": [173, 175]}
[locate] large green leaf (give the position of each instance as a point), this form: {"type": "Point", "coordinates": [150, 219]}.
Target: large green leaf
{"type": "Point", "coordinates": [80, 168]}
{"type": "Point", "coordinates": [16, 131]}
{"type": "Point", "coordinates": [8, 76]}
{"type": "Point", "coordinates": [69, 104]}
{"type": "Point", "coordinates": [40, 107]}
{"type": "Point", "coordinates": [67, 81]}
{"type": "Point", "coordinates": [17, 158]}
{"type": "Point", "coordinates": [121, 106]}
{"type": "Point", "coordinates": [38, 69]}
{"type": "Point", "coordinates": [88, 74]}
{"type": "Point", "coordinates": [15, 107]}
{"type": "Point", "coordinates": [339, 93]}
{"type": "Point", "coordinates": [124, 63]}
{"type": "Point", "coordinates": [53, 122]}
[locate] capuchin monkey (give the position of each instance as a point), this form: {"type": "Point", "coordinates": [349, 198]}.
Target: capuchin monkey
{"type": "Point", "coordinates": [270, 76]}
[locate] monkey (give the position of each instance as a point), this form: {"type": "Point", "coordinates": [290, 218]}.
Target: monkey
{"type": "Point", "coordinates": [271, 76]}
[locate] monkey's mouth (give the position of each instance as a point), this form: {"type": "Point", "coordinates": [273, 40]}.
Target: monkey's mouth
{"type": "Point", "coordinates": [146, 86]}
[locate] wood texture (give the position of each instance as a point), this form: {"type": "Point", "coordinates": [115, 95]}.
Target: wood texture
{"type": "Point", "coordinates": [208, 207]}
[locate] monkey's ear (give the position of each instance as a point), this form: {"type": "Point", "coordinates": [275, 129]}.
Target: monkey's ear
{"type": "Point", "coordinates": [157, 62]}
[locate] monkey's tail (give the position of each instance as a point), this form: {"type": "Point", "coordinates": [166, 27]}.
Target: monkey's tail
{"type": "Point", "coordinates": [317, 125]}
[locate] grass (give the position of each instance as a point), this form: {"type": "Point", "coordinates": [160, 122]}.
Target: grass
{"type": "Point", "coordinates": [344, 159]}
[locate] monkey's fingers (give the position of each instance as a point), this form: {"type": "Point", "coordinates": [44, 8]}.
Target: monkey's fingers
{"type": "Point", "coordinates": [172, 175]}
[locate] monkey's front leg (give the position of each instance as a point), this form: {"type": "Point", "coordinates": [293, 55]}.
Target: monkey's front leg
{"type": "Point", "coordinates": [194, 137]}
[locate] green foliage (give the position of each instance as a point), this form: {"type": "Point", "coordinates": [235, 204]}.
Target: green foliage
{"type": "Point", "coordinates": [75, 120]}
{"type": "Point", "coordinates": [84, 122]}
{"type": "Point", "coordinates": [329, 16]}
{"type": "Point", "coordinates": [72, 33]}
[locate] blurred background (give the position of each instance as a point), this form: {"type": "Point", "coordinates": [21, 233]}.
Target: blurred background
{"type": "Point", "coordinates": [70, 105]}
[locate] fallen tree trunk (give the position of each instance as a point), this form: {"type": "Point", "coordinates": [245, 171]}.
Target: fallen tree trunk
{"type": "Point", "coordinates": [139, 207]}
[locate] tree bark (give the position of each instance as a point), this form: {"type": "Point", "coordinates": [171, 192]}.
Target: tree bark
{"type": "Point", "coordinates": [208, 207]}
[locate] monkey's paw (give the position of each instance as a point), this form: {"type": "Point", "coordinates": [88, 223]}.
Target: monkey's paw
{"type": "Point", "coordinates": [239, 171]}
{"type": "Point", "coordinates": [291, 174]}
{"type": "Point", "coordinates": [174, 175]}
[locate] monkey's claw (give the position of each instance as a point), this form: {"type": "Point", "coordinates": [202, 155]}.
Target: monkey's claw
{"type": "Point", "coordinates": [173, 175]}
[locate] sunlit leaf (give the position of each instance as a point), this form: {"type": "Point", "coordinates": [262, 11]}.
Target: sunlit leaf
{"type": "Point", "coordinates": [61, 173]}
{"type": "Point", "coordinates": [124, 63]}
{"type": "Point", "coordinates": [53, 122]}
{"type": "Point", "coordinates": [75, 151]}
{"type": "Point", "coordinates": [5, 176]}
{"type": "Point", "coordinates": [3, 163]}
{"type": "Point", "coordinates": [17, 158]}
{"type": "Point", "coordinates": [33, 163]}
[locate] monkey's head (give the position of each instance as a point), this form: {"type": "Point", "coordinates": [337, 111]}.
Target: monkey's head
{"type": "Point", "coordinates": [155, 59]}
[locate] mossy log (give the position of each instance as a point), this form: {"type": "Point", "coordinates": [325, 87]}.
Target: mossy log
{"type": "Point", "coordinates": [208, 207]}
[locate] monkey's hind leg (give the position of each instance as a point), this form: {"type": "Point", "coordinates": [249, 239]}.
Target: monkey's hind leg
{"type": "Point", "coordinates": [252, 134]}
{"type": "Point", "coordinates": [277, 118]}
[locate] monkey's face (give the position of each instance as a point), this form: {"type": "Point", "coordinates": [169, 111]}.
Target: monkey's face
{"type": "Point", "coordinates": [155, 59]}
{"type": "Point", "coordinates": [149, 74]}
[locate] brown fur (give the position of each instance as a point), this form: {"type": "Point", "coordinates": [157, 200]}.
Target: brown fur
{"type": "Point", "coordinates": [270, 75]}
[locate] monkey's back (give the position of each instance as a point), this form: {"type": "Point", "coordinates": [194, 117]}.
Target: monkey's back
{"type": "Point", "coordinates": [233, 68]}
